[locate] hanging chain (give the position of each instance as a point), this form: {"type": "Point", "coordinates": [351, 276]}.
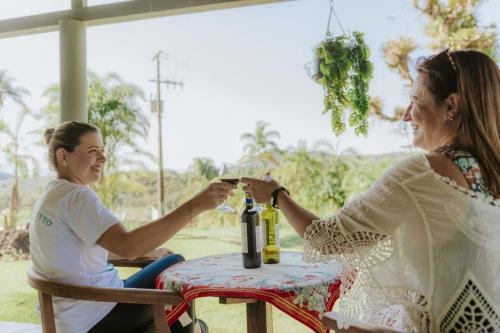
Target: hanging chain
{"type": "Point", "coordinates": [332, 11]}
{"type": "Point", "coordinates": [329, 20]}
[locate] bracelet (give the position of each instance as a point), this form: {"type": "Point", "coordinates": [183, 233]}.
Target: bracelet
{"type": "Point", "coordinates": [274, 196]}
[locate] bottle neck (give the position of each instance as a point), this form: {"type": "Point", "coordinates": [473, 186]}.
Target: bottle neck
{"type": "Point", "coordinates": [248, 200]}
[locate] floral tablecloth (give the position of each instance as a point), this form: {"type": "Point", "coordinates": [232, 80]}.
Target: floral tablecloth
{"type": "Point", "coordinates": [302, 290]}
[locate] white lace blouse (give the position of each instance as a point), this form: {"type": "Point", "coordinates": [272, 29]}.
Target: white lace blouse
{"type": "Point", "coordinates": [420, 253]}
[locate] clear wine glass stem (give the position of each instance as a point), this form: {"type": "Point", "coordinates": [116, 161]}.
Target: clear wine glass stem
{"type": "Point", "coordinates": [228, 173]}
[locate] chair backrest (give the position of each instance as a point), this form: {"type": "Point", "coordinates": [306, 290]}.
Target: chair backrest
{"type": "Point", "coordinates": [47, 289]}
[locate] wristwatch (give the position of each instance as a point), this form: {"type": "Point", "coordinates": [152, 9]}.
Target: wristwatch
{"type": "Point", "coordinates": [274, 196]}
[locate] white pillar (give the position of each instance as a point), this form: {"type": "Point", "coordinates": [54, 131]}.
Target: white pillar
{"type": "Point", "coordinates": [73, 70]}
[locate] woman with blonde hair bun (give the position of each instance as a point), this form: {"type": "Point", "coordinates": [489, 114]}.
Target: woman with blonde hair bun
{"type": "Point", "coordinates": [71, 233]}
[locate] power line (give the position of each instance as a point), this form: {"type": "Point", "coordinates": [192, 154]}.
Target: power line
{"type": "Point", "coordinates": [158, 107]}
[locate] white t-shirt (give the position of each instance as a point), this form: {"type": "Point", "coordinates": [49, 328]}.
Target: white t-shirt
{"type": "Point", "coordinates": [66, 222]}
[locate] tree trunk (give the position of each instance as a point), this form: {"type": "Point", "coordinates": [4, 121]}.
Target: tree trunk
{"type": "Point", "coordinates": [14, 204]}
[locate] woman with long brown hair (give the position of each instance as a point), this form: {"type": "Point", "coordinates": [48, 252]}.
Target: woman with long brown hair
{"type": "Point", "coordinates": [421, 247]}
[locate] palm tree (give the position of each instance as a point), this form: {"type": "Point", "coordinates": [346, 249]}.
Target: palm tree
{"type": "Point", "coordinates": [204, 167]}
{"type": "Point", "coordinates": [12, 150]}
{"type": "Point", "coordinates": [260, 144]}
{"type": "Point", "coordinates": [113, 107]}
{"type": "Point", "coordinates": [326, 147]}
{"type": "Point", "coordinates": [15, 156]}
{"type": "Point", "coordinates": [7, 90]}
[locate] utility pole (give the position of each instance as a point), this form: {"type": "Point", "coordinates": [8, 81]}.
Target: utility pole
{"type": "Point", "coordinates": [157, 106]}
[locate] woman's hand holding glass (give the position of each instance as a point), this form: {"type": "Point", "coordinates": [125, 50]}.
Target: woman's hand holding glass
{"type": "Point", "coordinates": [254, 169]}
{"type": "Point", "coordinates": [229, 173]}
{"type": "Point", "coordinates": [260, 189]}
{"type": "Point", "coordinates": [212, 196]}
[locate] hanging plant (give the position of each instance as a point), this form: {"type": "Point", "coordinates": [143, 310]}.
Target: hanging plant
{"type": "Point", "coordinates": [343, 68]}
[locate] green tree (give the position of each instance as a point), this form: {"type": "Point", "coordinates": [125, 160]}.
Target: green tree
{"type": "Point", "coordinates": [50, 114]}
{"type": "Point", "coordinates": [364, 171]}
{"type": "Point", "coordinates": [16, 154]}
{"type": "Point", "coordinates": [13, 151]}
{"type": "Point", "coordinates": [204, 167]}
{"type": "Point", "coordinates": [8, 90]}
{"type": "Point", "coordinates": [452, 24]}
{"type": "Point", "coordinates": [113, 107]}
{"type": "Point", "coordinates": [261, 144]}
{"type": "Point", "coordinates": [315, 176]}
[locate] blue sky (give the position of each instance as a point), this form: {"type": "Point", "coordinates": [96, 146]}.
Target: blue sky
{"type": "Point", "coordinates": [239, 66]}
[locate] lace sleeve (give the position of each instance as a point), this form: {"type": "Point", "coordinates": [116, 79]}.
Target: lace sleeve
{"type": "Point", "coordinates": [327, 237]}
{"type": "Point", "coordinates": [364, 236]}
{"type": "Point", "coordinates": [362, 223]}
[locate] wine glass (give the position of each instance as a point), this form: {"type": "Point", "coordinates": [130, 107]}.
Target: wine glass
{"type": "Point", "coordinates": [255, 169]}
{"type": "Point", "coordinates": [229, 173]}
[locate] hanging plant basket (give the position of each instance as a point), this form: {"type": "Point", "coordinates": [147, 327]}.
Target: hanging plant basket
{"type": "Point", "coordinates": [343, 68]}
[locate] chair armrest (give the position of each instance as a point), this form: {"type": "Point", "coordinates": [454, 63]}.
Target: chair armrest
{"type": "Point", "coordinates": [142, 261]}
{"type": "Point", "coordinates": [99, 294]}
{"type": "Point", "coordinates": [130, 263]}
{"type": "Point", "coordinates": [359, 326]}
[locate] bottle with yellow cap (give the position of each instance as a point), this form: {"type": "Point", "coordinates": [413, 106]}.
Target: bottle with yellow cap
{"type": "Point", "coordinates": [270, 235]}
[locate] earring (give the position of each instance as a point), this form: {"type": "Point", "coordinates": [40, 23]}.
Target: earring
{"type": "Point", "coordinates": [450, 118]}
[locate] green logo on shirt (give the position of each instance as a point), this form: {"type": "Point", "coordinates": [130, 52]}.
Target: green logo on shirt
{"type": "Point", "coordinates": [44, 219]}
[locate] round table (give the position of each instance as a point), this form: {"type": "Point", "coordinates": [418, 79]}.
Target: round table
{"type": "Point", "coordinates": [302, 290]}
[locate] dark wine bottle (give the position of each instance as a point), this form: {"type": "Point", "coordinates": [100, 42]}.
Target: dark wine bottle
{"type": "Point", "coordinates": [250, 235]}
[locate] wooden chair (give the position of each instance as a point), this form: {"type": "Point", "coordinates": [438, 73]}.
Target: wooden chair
{"type": "Point", "coordinates": [47, 289]}
{"type": "Point", "coordinates": [330, 321]}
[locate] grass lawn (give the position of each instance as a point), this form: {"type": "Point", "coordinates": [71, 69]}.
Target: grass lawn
{"type": "Point", "coordinates": [17, 299]}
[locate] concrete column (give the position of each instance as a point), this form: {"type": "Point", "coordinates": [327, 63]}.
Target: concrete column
{"type": "Point", "coordinates": [73, 70]}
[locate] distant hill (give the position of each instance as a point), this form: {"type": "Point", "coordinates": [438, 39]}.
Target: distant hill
{"type": "Point", "coordinates": [29, 189]}
{"type": "Point", "coordinates": [393, 156]}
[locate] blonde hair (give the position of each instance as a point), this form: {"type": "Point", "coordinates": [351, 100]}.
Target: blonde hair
{"type": "Point", "coordinates": [475, 78]}
{"type": "Point", "coordinates": [67, 136]}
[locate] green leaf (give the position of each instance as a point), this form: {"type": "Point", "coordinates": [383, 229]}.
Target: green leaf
{"type": "Point", "coordinates": [346, 73]}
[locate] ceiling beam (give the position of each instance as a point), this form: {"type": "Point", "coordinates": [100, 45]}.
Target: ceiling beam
{"type": "Point", "coordinates": [115, 13]}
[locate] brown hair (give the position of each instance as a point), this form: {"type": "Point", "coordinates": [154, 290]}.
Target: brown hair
{"type": "Point", "coordinates": [475, 78]}
{"type": "Point", "coordinates": [67, 136]}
